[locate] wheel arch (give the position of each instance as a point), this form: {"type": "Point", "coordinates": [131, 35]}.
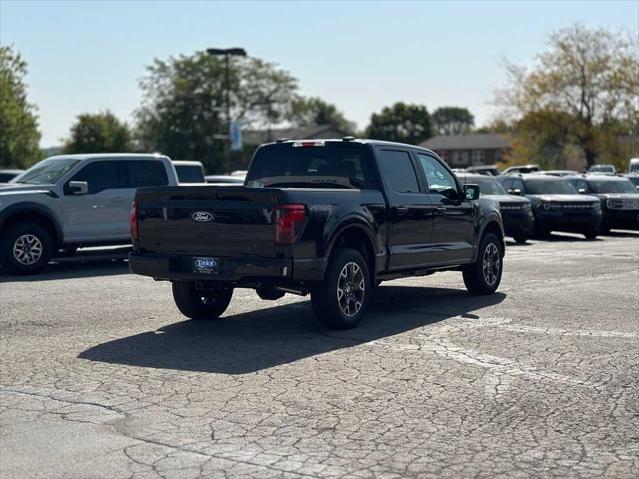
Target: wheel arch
{"type": "Point", "coordinates": [357, 235]}
{"type": "Point", "coordinates": [39, 214]}
{"type": "Point", "coordinates": [495, 227]}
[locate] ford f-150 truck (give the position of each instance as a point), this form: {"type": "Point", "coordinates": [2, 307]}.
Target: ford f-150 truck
{"type": "Point", "coordinates": [69, 201]}
{"type": "Point", "coordinates": [332, 218]}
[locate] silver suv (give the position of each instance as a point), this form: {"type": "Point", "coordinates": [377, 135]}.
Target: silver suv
{"type": "Point", "coordinates": [69, 201]}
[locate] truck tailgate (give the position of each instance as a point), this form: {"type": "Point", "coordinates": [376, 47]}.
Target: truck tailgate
{"type": "Point", "coordinates": [207, 220]}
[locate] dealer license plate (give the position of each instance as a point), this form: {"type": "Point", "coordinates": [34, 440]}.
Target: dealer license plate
{"type": "Point", "coordinates": [205, 265]}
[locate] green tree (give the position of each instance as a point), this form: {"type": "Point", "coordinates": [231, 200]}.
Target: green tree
{"type": "Point", "coordinates": [19, 135]}
{"type": "Point", "coordinates": [183, 109]}
{"type": "Point", "coordinates": [590, 74]}
{"type": "Point", "coordinates": [98, 133]}
{"type": "Point", "coordinates": [405, 123]}
{"type": "Point", "coordinates": [452, 120]}
{"type": "Point", "coordinates": [315, 111]}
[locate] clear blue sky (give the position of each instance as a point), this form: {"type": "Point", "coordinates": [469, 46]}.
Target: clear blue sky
{"type": "Point", "coordinates": [87, 56]}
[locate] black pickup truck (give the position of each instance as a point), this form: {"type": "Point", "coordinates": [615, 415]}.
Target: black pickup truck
{"type": "Point", "coordinates": [332, 218]}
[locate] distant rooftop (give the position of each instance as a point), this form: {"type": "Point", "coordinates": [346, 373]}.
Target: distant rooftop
{"type": "Point", "coordinates": [479, 141]}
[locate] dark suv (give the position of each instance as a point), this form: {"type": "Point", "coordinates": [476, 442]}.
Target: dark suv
{"type": "Point", "coordinates": [516, 211]}
{"type": "Point", "coordinates": [556, 204]}
{"type": "Point", "coordinates": [619, 199]}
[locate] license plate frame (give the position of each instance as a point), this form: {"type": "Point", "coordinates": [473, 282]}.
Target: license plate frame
{"type": "Point", "coordinates": [206, 265]}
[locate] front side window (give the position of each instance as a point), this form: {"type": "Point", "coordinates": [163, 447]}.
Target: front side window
{"type": "Point", "coordinates": [146, 173]}
{"type": "Point", "coordinates": [397, 170]}
{"type": "Point", "coordinates": [100, 176]}
{"type": "Point", "coordinates": [438, 177]}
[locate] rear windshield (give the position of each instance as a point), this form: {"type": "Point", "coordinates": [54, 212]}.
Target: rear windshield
{"type": "Point", "coordinates": [620, 186]}
{"type": "Point", "coordinates": [550, 187]}
{"type": "Point", "coordinates": [189, 173]}
{"type": "Point", "coordinates": [322, 165]}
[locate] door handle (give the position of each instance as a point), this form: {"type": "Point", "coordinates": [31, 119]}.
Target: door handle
{"type": "Point", "coordinates": [401, 210]}
{"type": "Point", "coordinates": [440, 210]}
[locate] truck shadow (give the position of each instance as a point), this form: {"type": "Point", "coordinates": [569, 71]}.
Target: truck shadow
{"type": "Point", "coordinates": [72, 270]}
{"type": "Point", "coordinates": [269, 337]}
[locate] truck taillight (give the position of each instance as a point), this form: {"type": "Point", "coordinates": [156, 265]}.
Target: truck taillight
{"type": "Point", "coordinates": [133, 221]}
{"type": "Point", "coordinates": [287, 217]}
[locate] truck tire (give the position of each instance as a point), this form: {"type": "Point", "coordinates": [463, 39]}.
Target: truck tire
{"type": "Point", "coordinates": [520, 238]}
{"type": "Point", "coordinates": [591, 234]}
{"type": "Point", "coordinates": [200, 304]}
{"type": "Point", "coordinates": [25, 248]}
{"type": "Point", "coordinates": [341, 300]}
{"type": "Point", "coordinates": [484, 276]}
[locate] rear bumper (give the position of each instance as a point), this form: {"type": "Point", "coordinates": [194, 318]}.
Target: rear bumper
{"type": "Point", "coordinates": [238, 270]}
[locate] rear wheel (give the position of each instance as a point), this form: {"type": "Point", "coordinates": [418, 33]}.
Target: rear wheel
{"type": "Point", "coordinates": [25, 248]}
{"type": "Point", "coordinates": [340, 302]}
{"type": "Point", "coordinates": [204, 304]}
{"type": "Point", "coordinates": [484, 276]}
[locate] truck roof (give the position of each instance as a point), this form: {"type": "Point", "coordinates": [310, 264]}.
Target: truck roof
{"type": "Point", "coordinates": [350, 139]}
{"type": "Point", "coordinates": [110, 156]}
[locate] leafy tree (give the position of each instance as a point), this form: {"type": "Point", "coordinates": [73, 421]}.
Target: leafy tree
{"type": "Point", "coordinates": [19, 135]}
{"type": "Point", "coordinates": [591, 74]}
{"type": "Point", "coordinates": [315, 111]}
{"type": "Point", "coordinates": [401, 122]}
{"type": "Point", "coordinates": [452, 120]}
{"type": "Point", "coordinates": [183, 111]}
{"type": "Point", "coordinates": [98, 133]}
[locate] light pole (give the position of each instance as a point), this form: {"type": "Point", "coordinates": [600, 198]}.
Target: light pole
{"type": "Point", "coordinates": [227, 53]}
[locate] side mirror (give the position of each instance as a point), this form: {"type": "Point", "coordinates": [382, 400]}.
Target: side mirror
{"type": "Point", "coordinates": [471, 192]}
{"type": "Point", "coordinates": [582, 191]}
{"type": "Point", "coordinates": [78, 187]}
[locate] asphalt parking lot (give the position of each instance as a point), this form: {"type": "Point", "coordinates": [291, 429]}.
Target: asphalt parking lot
{"type": "Point", "coordinates": [101, 377]}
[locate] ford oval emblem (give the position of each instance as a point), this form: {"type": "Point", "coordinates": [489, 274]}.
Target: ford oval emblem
{"type": "Point", "coordinates": [202, 216]}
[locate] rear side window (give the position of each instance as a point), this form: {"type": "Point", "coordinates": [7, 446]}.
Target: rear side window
{"type": "Point", "coordinates": [312, 165]}
{"type": "Point", "coordinates": [146, 173]}
{"type": "Point", "coordinates": [100, 176]}
{"type": "Point", "coordinates": [397, 170]}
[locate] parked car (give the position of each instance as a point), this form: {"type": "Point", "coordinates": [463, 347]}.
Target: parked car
{"type": "Point", "coordinates": [634, 179]}
{"type": "Point", "coordinates": [619, 199]}
{"type": "Point", "coordinates": [516, 211]}
{"type": "Point", "coordinates": [329, 217]}
{"type": "Point", "coordinates": [8, 175]}
{"type": "Point", "coordinates": [559, 173]}
{"type": "Point", "coordinates": [189, 171]}
{"type": "Point", "coordinates": [519, 169]}
{"type": "Point", "coordinates": [556, 204]}
{"type": "Point", "coordinates": [633, 165]}
{"type": "Point", "coordinates": [68, 201]}
{"type": "Point", "coordinates": [224, 179]}
{"type": "Point", "coordinates": [602, 170]}
{"type": "Point", "coordinates": [491, 170]}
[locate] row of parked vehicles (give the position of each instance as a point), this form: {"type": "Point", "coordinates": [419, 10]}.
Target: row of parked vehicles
{"type": "Point", "coordinates": [329, 218]}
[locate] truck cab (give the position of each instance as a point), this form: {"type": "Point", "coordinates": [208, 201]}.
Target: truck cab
{"type": "Point", "coordinates": [68, 201]}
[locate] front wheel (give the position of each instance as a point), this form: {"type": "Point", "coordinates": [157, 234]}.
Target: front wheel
{"type": "Point", "coordinates": [25, 248]}
{"type": "Point", "coordinates": [340, 301]}
{"type": "Point", "coordinates": [591, 235]}
{"type": "Point", "coordinates": [520, 238]}
{"type": "Point", "coordinates": [205, 304]}
{"type": "Point", "coordinates": [484, 276]}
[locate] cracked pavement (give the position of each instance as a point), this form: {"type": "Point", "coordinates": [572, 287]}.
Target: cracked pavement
{"type": "Point", "coordinates": [100, 376]}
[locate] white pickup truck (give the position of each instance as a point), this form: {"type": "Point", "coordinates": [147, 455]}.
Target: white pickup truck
{"type": "Point", "coordinates": [69, 201]}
